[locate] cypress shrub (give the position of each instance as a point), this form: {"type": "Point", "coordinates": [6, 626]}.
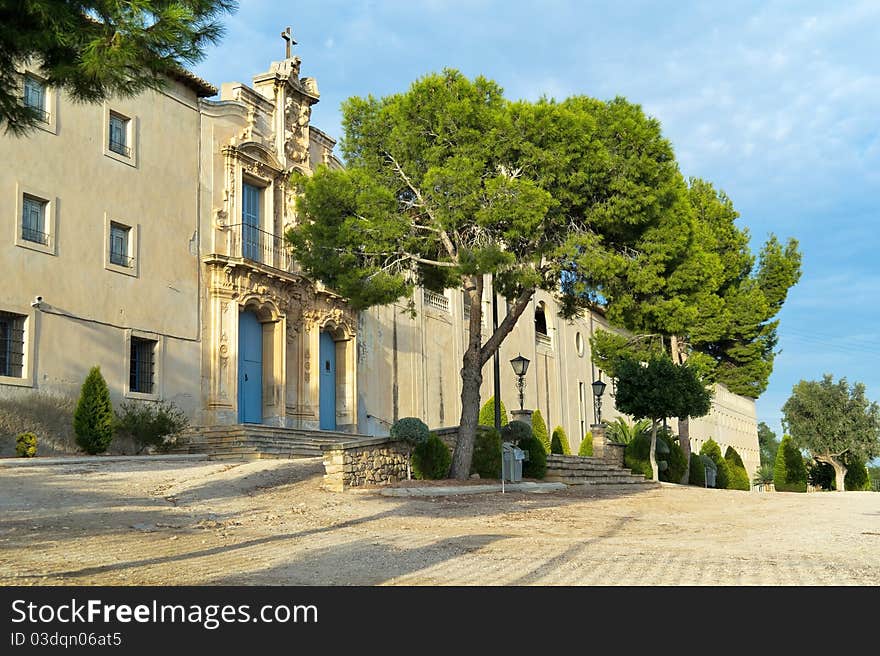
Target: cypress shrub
{"type": "Point", "coordinates": [486, 460]}
{"type": "Point", "coordinates": [722, 473]}
{"type": "Point", "coordinates": [431, 459]}
{"type": "Point", "coordinates": [586, 447]}
{"type": "Point", "coordinates": [739, 477]}
{"type": "Point", "coordinates": [856, 478]}
{"type": "Point", "coordinates": [560, 436]}
{"type": "Point", "coordinates": [536, 465]}
{"type": "Point", "coordinates": [487, 414]}
{"type": "Point", "coordinates": [539, 428]}
{"type": "Point", "coordinates": [789, 473]}
{"type": "Point", "coordinates": [677, 463]}
{"type": "Point", "coordinates": [26, 445]}
{"type": "Point", "coordinates": [93, 417]}
{"type": "Point", "coordinates": [697, 474]}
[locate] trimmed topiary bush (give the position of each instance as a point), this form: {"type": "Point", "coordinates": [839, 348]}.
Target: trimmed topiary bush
{"type": "Point", "coordinates": [856, 478]}
{"type": "Point", "coordinates": [738, 476]}
{"type": "Point", "coordinates": [556, 444]}
{"type": "Point", "coordinates": [536, 465]}
{"type": "Point", "coordinates": [26, 445]}
{"type": "Point", "coordinates": [93, 417]}
{"type": "Point", "coordinates": [487, 413]}
{"type": "Point", "coordinates": [789, 473]}
{"type": "Point", "coordinates": [411, 430]}
{"type": "Point", "coordinates": [559, 432]}
{"type": "Point", "coordinates": [722, 473]}
{"type": "Point", "coordinates": [431, 459]}
{"type": "Point", "coordinates": [486, 460]}
{"type": "Point", "coordinates": [516, 431]}
{"type": "Point", "coordinates": [586, 448]}
{"type": "Point", "coordinates": [539, 428]}
{"type": "Point", "coordinates": [697, 473]}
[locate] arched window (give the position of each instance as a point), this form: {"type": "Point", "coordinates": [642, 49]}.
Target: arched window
{"type": "Point", "coordinates": [540, 320]}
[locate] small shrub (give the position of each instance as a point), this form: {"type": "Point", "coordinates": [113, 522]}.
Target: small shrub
{"type": "Point", "coordinates": [516, 431]}
{"type": "Point", "coordinates": [411, 430]}
{"type": "Point", "coordinates": [586, 448]}
{"type": "Point", "coordinates": [697, 474]}
{"type": "Point", "coordinates": [487, 413]}
{"type": "Point", "coordinates": [722, 473]}
{"type": "Point", "coordinates": [93, 417]}
{"type": "Point", "coordinates": [536, 465]}
{"type": "Point", "coordinates": [486, 460]}
{"type": "Point", "coordinates": [789, 473]}
{"type": "Point", "coordinates": [764, 475]}
{"type": "Point", "coordinates": [150, 424]}
{"type": "Point", "coordinates": [676, 461]}
{"type": "Point", "coordinates": [431, 459]}
{"type": "Point", "coordinates": [25, 445]}
{"type": "Point", "coordinates": [556, 444]}
{"type": "Point", "coordinates": [636, 456]}
{"type": "Point", "coordinates": [562, 438]}
{"type": "Point", "coordinates": [539, 428]}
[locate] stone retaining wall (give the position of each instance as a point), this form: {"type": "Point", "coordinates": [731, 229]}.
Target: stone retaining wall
{"type": "Point", "coordinates": [376, 461]}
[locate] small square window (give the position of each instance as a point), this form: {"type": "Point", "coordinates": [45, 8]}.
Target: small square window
{"type": "Point", "coordinates": [143, 365]}
{"type": "Point", "coordinates": [119, 141]}
{"type": "Point", "coordinates": [120, 253]}
{"type": "Point", "coordinates": [35, 97]}
{"type": "Point", "coordinates": [33, 220]}
{"type": "Point", "coordinates": [12, 344]}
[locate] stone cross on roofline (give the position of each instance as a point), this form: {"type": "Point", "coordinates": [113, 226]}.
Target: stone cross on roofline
{"type": "Point", "coordinates": [286, 35]}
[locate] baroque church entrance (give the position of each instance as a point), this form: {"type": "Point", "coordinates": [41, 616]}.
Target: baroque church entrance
{"type": "Point", "coordinates": [250, 369]}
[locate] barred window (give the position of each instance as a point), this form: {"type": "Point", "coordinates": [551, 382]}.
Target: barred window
{"type": "Point", "coordinates": [119, 135]}
{"type": "Point", "coordinates": [119, 245]}
{"type": "Point", "coordinates": [11, 344]}
{"type": "Point", "coordinates": [33, 220]}
{"type": "Point", "coordinates": [143, 365]}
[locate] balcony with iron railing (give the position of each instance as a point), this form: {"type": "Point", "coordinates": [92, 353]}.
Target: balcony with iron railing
{"type": "Point", "coordinates": [436, 301]}
{"type": "Point", "coordinates": [120, 148]}
{"type": "Point", "coordinates": [251, 243]}
{"type": "Point", "coordinates": [36, 236]}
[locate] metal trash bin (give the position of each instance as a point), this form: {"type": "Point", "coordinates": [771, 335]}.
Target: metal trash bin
{"type": "Point", "coordinates": [710, 477]}
{"type": "Point", "coordinates": [511, 462]}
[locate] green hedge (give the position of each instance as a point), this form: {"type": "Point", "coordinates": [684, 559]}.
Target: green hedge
{"type": "Point", "coordinates": [536, 465]}
{"type": "Point", "coordinates": [697, 473]}
{"type": "Point", "coordinates": [586, 447]}
{"type": "Point", "coordinates": [856, 478]}
{"type": "Point", "coordinates": [431, 459]}
{"type": "Point", "coordinates": [722, 473]}
{"type": "Point", "coordinates": [539, 428]}
{"type": "Point", "coordinates": [516, 431]}
{"type": "Point", "coordinates": [486, 460]}
{"type": "Point", "coordinates": [487, 413]}
{"type": "Point", "coordinates": [638, 452]}
{"type": "Point", "coordinates": [789, 473]}
{"type": "Point", "coordinates": [739, 477]}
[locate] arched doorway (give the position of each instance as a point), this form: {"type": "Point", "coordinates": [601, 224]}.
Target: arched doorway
{"type": "Point", "coordinates": [250, 369]}
{"type": "Point", "coordinates": [327, 382]}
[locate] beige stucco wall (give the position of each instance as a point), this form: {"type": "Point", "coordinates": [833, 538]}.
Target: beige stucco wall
{"type": "Point", "coordinates": [155, 193]}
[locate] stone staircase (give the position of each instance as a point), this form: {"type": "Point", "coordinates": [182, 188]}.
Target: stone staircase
{"type": "Point", "coordinates": [578, 470]}
{"type": "Point", "coordinates": [256, 441]}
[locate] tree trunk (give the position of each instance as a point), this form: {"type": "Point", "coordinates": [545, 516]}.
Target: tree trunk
{"type": "Point", "coordinates": [835, 461]}
{"type": "Point", "coordinates": [684, 439]}
{"type": "Point", "coordinates": [472, 369]}
{"type": "Point", "coordinates": [653, 455]}
{"type": "Point", "coordinates": [471, 380]}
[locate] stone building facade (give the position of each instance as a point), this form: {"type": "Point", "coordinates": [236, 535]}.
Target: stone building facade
{"type": "Point", "coordinates": [152, 228]}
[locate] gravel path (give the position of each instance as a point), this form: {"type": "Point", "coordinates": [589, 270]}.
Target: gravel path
{"type": "Point", "coordinates": [269, 522]}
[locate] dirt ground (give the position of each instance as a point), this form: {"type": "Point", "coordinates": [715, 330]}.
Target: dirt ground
{"type": "Point", "coordinates": [270, 523]}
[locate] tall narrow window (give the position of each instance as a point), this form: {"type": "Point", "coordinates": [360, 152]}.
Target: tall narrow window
{"type": "Point", "coordinates": [11, 344]}
{"type": "Point", "coordinates": [582, 407]}
{"type": "Point", "coordinates": [35, 97]}
{"type": "Point", "coordinates": [143, 365]}
{"type": "Point", "coordinates": [33, 220]}
{"type": "Point", "coordinates": [250, 222]}
{"type": "Point", "coordinates": [119, 134]}
{"type": "Point", "coordinates": [119, 245]}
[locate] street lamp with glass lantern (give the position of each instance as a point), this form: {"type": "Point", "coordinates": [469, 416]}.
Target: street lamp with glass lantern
{"type": "Point", "coordinates": [598, 390]}
{"type": "Point", "coordinates": [520, 366]}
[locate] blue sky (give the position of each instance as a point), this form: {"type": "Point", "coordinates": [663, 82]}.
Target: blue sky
{"type": "Point", "coordinates": [776, 103]}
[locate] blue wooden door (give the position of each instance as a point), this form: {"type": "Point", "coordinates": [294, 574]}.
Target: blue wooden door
{"type": "Point", "coordinates": [327, 383]}
{"type": "Point", "coordinates": [250, 369]}
{"type": "Point", "coordinates": [250, 222]}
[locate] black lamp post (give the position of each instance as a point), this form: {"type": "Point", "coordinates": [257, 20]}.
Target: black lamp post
{"type": "Point", "coordinates": [598, 390]}
{"type": "Point", "coordinates": [520, 367]}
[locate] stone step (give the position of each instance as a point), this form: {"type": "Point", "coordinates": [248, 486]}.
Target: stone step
{"type": "Point", "coordinates": [587, 466]}
{"type": "Point", "coordinates": [600, 480]}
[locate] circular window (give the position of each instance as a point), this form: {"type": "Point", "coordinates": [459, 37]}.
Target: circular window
{"type": "Point", "coordinates": [579, 344]}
